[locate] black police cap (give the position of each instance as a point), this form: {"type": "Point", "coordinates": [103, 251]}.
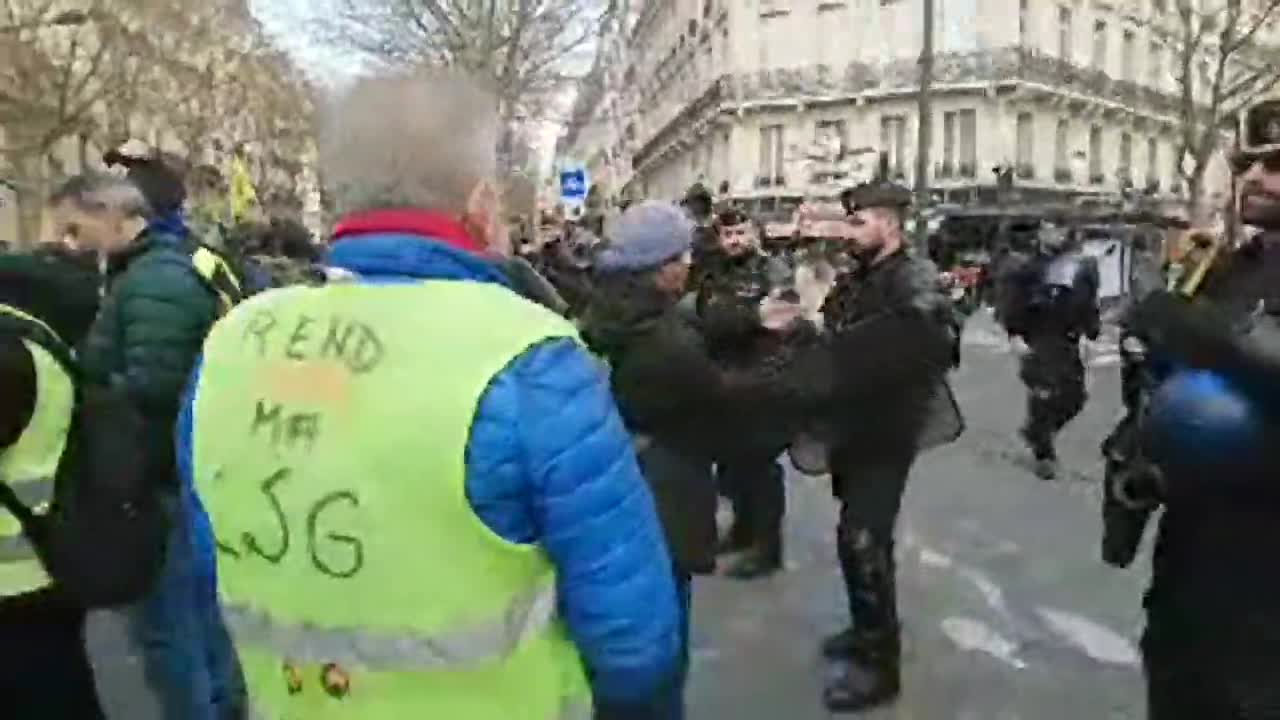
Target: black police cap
{"type": "Point", "coordinates": [876, 194]}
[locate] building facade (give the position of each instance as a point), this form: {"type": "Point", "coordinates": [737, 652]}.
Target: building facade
{"type": "Point", "coordinates": [776, 100]}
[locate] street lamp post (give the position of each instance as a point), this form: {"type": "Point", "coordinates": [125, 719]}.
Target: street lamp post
{"type": "Point", "coordinates": [924, 125]}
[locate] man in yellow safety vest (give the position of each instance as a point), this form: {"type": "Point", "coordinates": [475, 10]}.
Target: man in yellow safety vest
{"type": "Point", "coordinates": [47, 301]}
{"type": "Point", "coordinates": [424, 502]}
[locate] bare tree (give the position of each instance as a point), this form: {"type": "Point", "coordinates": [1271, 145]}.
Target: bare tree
{"type": "Point", "coordinates": [528, 50]}
{"type": "Point", "coordinates": [1225, 52]}
{"type": "Point", "coordinates": [56, 67]}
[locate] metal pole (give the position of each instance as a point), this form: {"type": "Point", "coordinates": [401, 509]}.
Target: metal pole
{"type": "Point", "coordinates": [924, 125]}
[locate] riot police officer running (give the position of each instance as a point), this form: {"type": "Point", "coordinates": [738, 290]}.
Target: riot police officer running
{"type": "Point", "coordinates": [1212, 643]}
{"type": "Point", "coordinates": [1052, 302]}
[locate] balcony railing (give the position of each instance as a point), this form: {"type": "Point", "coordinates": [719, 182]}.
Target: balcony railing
{"type": "Point", "coordinates": [1097, 178]}
{"type": "Point", "coordinates": [1026, 171]}
{"type": "Point", "coordinates": [1063, 175]}
{"type": "Point", "coordinates": [968, 170]}
{"type": "Point", "coordinates": [1007, 64]}
{"type": "Point", "coordinates": [944, 171]}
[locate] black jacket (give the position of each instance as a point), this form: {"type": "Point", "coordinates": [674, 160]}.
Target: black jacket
{"type": "Point", "coordinates": [878, 380]}
{"type": "Point", "coordinates": [1212, 582]}
{"type": "Point", "coordinates": [679, 404]}
{"type": "Point", "coordinates": [1028, 314]}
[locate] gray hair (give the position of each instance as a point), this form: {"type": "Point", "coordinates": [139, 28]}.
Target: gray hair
{"type": "Point", "coordinates": [95, 193]}
{"type": "Point", "coordinates": [409, 142]}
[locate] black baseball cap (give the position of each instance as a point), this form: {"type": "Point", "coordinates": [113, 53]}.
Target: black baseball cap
{"type": "Point", "coordinates": [875, 194]}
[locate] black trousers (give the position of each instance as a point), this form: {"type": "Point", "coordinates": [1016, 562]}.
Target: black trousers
{"type": "Point", "coordinates": [753, 482]}
{"type": "Point", "coordinates": [44, 668]}
{"type": "Point", "coordinates": [1207, 681]}
{"type": "Point", "coordinates": [869, 487]}
{"type": "Point", "coordinates": [1054, 375]}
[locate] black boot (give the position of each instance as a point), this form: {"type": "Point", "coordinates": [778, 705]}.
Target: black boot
{"type": "Point", "coordinates": [760, 560]}
{"type": "Point", "coordinates": [840, 646]}
{"type": "Point", "coordinates": [736, 540]}
{"type": "Point", "coordinates": [872, 678]}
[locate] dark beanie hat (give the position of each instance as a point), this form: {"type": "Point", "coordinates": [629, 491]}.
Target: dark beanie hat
{"type": "Point", "coordinates": [157, 175]}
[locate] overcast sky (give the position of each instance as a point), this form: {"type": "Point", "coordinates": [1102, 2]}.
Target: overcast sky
{"type": "Point", "coordinates": [291, 22]}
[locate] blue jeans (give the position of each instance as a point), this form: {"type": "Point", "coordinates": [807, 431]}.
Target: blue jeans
{"type": "Point", "coordinates": [684, 595]}
{"type": "Point", "coordinates": [186, 651]}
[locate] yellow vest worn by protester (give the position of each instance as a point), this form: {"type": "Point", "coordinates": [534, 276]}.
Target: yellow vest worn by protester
{"type": "Point", "coordinates": [330, 432]}
{"type": "Point", "coordinates": [29, 465]}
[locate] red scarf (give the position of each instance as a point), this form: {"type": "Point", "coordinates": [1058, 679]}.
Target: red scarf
{"type": "Point", "coordinates": [428, 224]}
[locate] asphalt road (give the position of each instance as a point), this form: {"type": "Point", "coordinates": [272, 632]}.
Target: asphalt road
{"type": "Point", "coordinates": [1008, 613]}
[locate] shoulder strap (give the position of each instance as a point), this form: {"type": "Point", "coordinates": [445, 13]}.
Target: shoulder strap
{"type": "Point", "coordinates": [217, 274]}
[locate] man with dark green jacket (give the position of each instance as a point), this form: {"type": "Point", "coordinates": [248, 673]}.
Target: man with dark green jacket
{"type": "Point", "coordinates": [157, 310]}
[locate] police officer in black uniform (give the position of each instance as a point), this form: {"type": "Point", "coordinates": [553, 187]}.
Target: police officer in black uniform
{"type": "Point", "coordinates": [1052, 303]}
{"type": "Point", "coordinates": [728, 305]}
{"type": "Point", "coordinates": [1212, 643]}
{"type": "Point", "coordinates": [880, 391]}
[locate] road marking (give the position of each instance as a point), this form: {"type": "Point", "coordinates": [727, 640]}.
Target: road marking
{"type": "Point", "coordinates": [974, 635]}
{"type": "Point", "coordinates": [1094, 639]}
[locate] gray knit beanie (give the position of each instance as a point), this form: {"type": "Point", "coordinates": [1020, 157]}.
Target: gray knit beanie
{"type": "Point", "coordinates": [646, 236]}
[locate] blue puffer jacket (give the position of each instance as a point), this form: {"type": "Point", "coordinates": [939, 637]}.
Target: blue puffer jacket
{"type": "Point", "coordinates": [548, 462]}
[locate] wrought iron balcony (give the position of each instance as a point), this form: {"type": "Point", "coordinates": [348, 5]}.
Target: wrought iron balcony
{"type": "Point", "coordinates": [1000, 65]}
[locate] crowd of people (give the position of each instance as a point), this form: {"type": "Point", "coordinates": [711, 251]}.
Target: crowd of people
{"type": "Point", "coordinates": [448, 472]}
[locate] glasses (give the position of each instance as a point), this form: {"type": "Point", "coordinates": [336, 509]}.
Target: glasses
{"type": "Point", "coordinates": [1242, 162]}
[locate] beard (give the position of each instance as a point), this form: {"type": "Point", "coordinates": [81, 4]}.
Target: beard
{"type": "Point", "coordinates": [1260, 209]}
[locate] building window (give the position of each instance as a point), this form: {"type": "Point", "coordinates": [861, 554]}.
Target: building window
{"type": "Point", "coordinates": [1127, 59]}
{"type": "Point", "coordinates": [1064, 32]}
{"type": "Point", "coordinates": [831, 20]}
{"type": "Point", "coordinates": [968, 120]}
{"type": "Point", "coordinates": [1125, 172]}
{"type": "Point", "coordinates": [1024, 23]}
{"type": "Point", "coordinates": [1026, 145]}
{"type": "Point", "coordinates": [831, 134]}
{"type": "Point", "coordinates": [1095, 155]}
{"type": "Point", "coordinates": [1099, 56]}
{"type": "Point", "coordinates": [1153, 164]}
{"type": "Point", "coordinates": [949, 138]}
{"type": "Point", "coordinates": [893, 143]}
{"type": "Point", "coordinates": [771, 155]}
{"type": "Point", "coordinates": [1062, 151]}
{"type": "Point", "coordinates": [1155, 65]}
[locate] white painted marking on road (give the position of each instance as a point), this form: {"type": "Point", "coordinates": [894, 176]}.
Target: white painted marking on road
{"type": "Point", "coordinates": [934, 559]}
{"type": "Point", "coordinates": [974, 635]}
{"type": "Point", "coordinates": [991, 592]}
{"type": "Point", "coordinates": [1096, 640]}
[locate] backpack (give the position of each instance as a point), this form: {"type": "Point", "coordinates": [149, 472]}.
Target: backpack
{"type": "Point", "coordinates": [103, 538]}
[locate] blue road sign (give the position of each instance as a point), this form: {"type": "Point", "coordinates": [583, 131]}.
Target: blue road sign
{"type": "Point", "coordinates": [573, 185]}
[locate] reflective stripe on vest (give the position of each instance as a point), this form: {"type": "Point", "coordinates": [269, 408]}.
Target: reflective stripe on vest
{"type": "Point", "coordinates": [403, 650]}
{"type": "Point", "coordinates": [29, 464]}
{"type": "Point", "coordinates": [347, 546]}
{"type": "Point", "coordinates": [35, 494]}
{"type": "Point", "coordinates": [576, 709]}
